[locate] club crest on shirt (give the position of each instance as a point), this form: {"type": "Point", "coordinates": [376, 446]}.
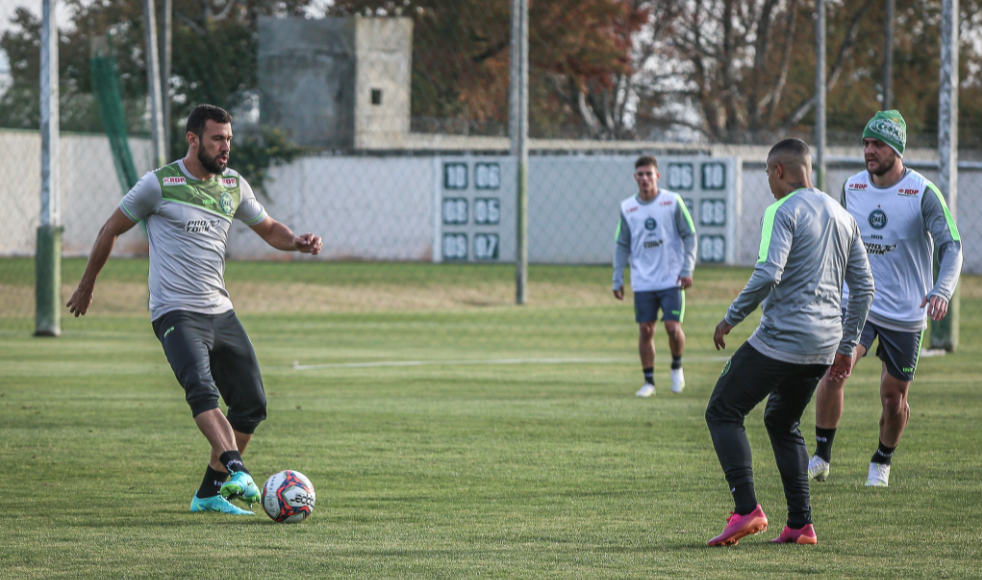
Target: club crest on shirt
{"type": "Point", "coordinates": [650, 224]}
{"type": "Point", "coordinates": [225, 201]}
{"type": "Point", "coordinates": [878, 219]}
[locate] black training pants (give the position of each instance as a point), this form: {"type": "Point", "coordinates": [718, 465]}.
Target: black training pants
{"type": "Point", "coordinates": [747, 379]}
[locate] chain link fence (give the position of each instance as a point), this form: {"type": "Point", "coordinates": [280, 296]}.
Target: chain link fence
{"type": "Point", "coordinates": [383, 128]}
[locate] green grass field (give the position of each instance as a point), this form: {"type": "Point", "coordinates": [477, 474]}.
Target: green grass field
{"type": "Point", "coordinates": [541, 469]}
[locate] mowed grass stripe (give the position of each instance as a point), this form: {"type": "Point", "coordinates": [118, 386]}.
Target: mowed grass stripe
{"type": "Point", "coordinates": [500, 471]}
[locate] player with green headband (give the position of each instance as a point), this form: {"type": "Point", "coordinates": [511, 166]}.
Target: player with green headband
{"type": "Point", "coordinates": [901, 216]}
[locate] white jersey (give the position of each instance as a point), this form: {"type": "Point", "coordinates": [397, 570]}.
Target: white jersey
{"type": "Point", "coordinates": [660, 240]}
{"type": "Point", "coordinates": [187, 224]}
{"type": "Point", "coordinates": [900, 226]}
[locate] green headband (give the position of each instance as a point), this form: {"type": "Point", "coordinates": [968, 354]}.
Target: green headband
{"type": "Point", "coordinates": [889, 127]}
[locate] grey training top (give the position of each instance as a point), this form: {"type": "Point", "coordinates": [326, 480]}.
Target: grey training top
{"type": "Point", "coordinates": [187, 225]}
{"type": "Point", "coordinates": [659, 239]}
{"type": "Point", "coordinates": [809, 245]}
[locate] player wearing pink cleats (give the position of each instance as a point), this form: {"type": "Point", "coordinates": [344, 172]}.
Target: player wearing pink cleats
{"type": "Point", "coordinates": [803, 535]}
{"type": "Point", "coordinates": [738, 526]}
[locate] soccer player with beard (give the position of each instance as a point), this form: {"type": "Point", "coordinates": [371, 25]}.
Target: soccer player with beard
{"type": "Point", "coordinates": [188, 207]}
{"type": "Point", "coordinates": [902, 216]}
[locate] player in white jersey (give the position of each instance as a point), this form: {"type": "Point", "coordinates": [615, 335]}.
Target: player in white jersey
{"type": "Point", "coordinates": [902, 217]}
{"type": "Point", "coordinates": [656, 235]}
{"type": "Point", "coordinates": [188, 207]}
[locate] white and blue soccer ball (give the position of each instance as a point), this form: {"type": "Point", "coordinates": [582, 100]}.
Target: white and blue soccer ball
{"type": "Point", "coordinates": [288, 497]}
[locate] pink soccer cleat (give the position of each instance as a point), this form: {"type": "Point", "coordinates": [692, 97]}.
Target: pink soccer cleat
{"type": "Point", "coordinates": [738, 526]}
{"type": "Point", "coordinates": [803, 535]}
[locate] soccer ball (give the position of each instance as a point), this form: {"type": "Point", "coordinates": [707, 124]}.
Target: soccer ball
{"type": "Point", "coordinates": [288, 497]}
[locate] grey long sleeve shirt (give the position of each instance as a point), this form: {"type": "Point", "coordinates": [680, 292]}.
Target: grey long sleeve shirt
{"type": "Point", "coordinates": [809, 245]}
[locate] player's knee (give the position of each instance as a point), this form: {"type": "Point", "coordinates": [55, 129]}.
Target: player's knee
{"type": "Point", "coordinates": [776, 423]}
{"type": "Point", "coordinates": [246, 414]}
{"type": "Point", "coordinates": [893, 404]}
{"type": "Point", "coordinates": [200, 391]}
{"type": "Point", "coordinates": [647, 331]}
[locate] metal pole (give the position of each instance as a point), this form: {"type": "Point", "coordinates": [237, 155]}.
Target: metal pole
{"type": "Point", "coordinates": [820, 83]}
{"type": "Point", "coordinates": [888, 57]}
{"type": "Point", "coordinates": [944, 334]}
{"type": "Point", "coordinates": [519, 127]}
{"type": "Point", "coordinates": [166, 53]}
{"type": "Point", "coordinates": [153, 83]}
{"type": "Point", "coordinates": [47, 254]}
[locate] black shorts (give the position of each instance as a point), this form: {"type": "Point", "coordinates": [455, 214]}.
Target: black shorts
{"type": "Point", "coordinates": [671, 301]}
{"type": "Point", "coordinates": [212, 356]}
{"type": "Point", "coordinates": [899, 350]}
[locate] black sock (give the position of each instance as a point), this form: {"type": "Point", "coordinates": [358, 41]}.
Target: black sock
{"type": "Point", "coordinates": [649, 375]}
{"type": "Point", "coordinates": [212, 483]}
{"type": "Point", "coordinates": [676, 362]}
{"type": "Point", "coordinates": [232, 461]}
{"type": "Point", "coordinates": [744, 498]}
{"type": "Point", "coordinates": [824, 438]}
{"type": "Point", "coordinates": [883, 454]}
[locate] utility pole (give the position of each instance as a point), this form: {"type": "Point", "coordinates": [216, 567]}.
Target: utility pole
{"type": "Point", "coordinates": [820, 104]}
{"type": "Point", "coordinates": [47, 254]}
{"type": "Point", "coordinates": [153, 84]}
{"type": "Point", "coordinates": [888, 57]}
{"type": "Point", "coordinates": [519, 129]}
{"type": "Point", "coordinates": [166, 54]}
{"type": "Point", "coordinates": [944, 334]}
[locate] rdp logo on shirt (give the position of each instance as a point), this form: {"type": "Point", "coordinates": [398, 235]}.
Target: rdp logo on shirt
{"type": "Point", "coordinates": [878, 219]}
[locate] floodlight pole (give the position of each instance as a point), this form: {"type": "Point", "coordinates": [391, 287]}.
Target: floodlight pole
{"type": "Point", "coordinates": [519, 128]}
{"type": "Point", "coordinates": [944, 334]}
{"type": "Point", "coordinates": [47, 254]}
{"type": "Point", "coordinates": [153, 83]}
{"type": "Point", "coordinates": [820, 82]}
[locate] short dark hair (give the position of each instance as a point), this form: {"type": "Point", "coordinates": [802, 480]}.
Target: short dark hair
{"type": "Point", "coordinates": [646, 160]}
{"type": "Point", "coordinates": [792, 148]}
{"type": "Point", "coordinates": [202, 113]}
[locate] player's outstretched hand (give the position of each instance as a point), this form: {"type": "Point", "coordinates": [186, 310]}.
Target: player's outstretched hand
{"type": "Point", "coordinates": [841, 368]}
{"type": "Point", "coordinates": [619, 293]}
{"type": "Point", "coordinates": [80, 301]}
{"type": "Point", "coordinates": [308, 244]}
{"type": "Point", "coordinates": [685, 282]}
{"type": "Point", "coordinates": [937, 307]}
{"type": "Point", "coordinates": [721, 329]}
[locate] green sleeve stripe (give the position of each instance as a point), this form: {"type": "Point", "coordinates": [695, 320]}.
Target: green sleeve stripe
{"type": "Point", "coordinates": [617, 234]}
{"type": "Point", "coordinates": [768, 229]}
{"type": "Point", "coordinates": [685, 212]}
{"type": "Point", "coordinates": [262, 215]}
{"type": "Point", "coordinates": [952, 228]}
{"type": "Point", "coordinates": [127, 212]}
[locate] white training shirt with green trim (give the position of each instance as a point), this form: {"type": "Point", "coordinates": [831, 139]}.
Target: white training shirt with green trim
{"type": "Point", "coordinates": [900, 226]}
{"type": "Point", "coordinates": [187, 224]}
{"type": "Point", "coordinates": [659, 239]}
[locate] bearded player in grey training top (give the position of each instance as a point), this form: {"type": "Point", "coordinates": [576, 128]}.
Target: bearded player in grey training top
{"type": "Point", "coordinates": [902, 217]}
{"type": "Point", "coordinates": [188, 207]}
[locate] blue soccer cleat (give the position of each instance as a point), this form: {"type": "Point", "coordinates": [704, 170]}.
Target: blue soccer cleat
{"type": "Point", "coordinates": [217, 504]}
{"type": "Point", "coordinates": [241, 485]}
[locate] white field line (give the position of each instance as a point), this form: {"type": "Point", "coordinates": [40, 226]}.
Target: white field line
{"type": "Point", "coordinates": [508, 361]}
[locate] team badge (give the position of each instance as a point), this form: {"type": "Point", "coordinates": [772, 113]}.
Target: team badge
{"type": "Point", "coordinates": [650, 224]}
{"type": "Point", "coordinates": [878, 219]}
{"type": "Point", "coordinates": [225, 200]}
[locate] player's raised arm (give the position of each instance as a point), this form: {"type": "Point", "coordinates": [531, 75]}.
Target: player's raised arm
{"type": "Point", "coordinates": [117, 224]}
{"type": "Point", "coordinates": [281, 237]}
